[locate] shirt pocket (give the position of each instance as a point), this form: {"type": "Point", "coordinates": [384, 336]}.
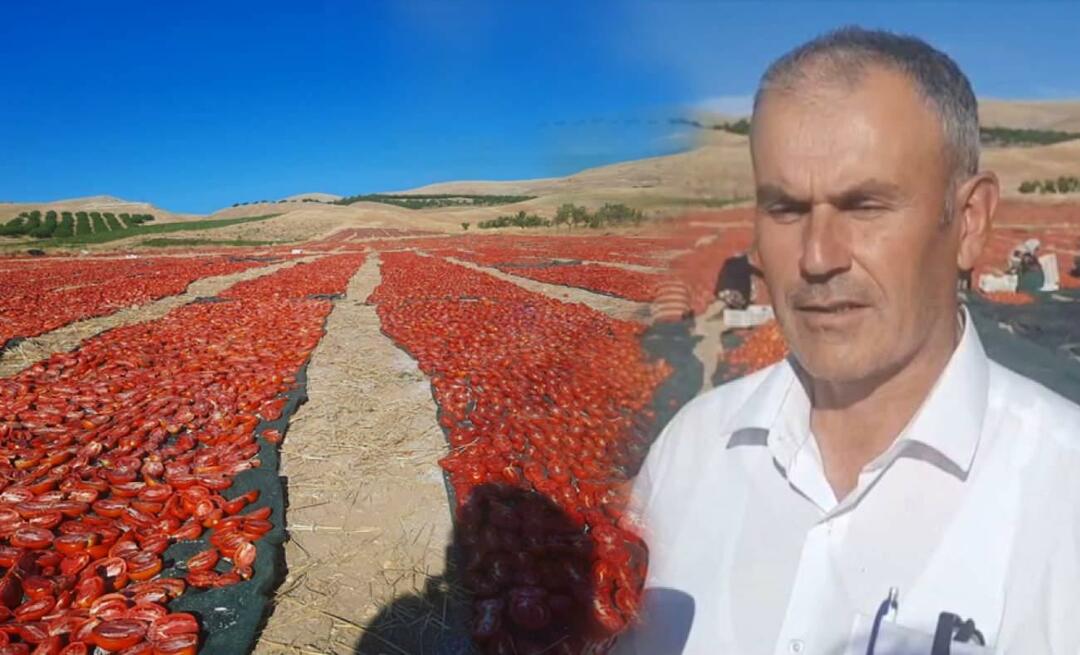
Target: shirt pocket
{"type": "Point", "coordinates": [895, 639]}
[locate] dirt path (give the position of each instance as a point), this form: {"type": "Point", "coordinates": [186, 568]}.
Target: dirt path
{"type": "Point", "coordinates": [709, 326]}
{"type": "Point", "coordinates": [626, 310]}
{"type": "Point", "coordinates": [63, 339]}
{"type": "Point", "coordinates": [629, 267]}
{"type": "Point", "coordinates": [368, 516]}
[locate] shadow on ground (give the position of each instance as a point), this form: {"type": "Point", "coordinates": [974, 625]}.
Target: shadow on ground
{"type": "Point", "coordinates": [518, 569]}
{"type": "Point", "coordinates": [520, 584]}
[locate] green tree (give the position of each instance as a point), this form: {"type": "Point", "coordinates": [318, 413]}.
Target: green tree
{"type": "Point", "coordinates": [563, 215]}
{"type": "Point", "coordinates": [67, 226]}
{"type": "Point", "coordinates": [112, 222]}
{"type": "Point", "coordinates": [465, 226]}
{"type": "Point", "coordinates": [48, 226]}
{"type": "Point", "coordinates": [15, 227]}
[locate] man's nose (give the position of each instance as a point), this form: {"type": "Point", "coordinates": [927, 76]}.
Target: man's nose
{"type": "Point", "coordinates": [826, 244]}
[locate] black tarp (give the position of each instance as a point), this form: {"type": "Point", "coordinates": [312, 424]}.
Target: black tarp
{"type": "Point", "coordinates": [1040, 341]}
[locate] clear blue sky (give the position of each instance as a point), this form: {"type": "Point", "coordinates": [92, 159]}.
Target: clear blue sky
{"type": "Point", "coordinates": [196, 105]}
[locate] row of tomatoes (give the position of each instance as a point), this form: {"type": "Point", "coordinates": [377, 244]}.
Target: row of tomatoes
{"type": "Point", "coordinates": [111, 453]}
{"type": "Point", "coordinates": [762, 346]}
{"type": "Point", "coordinates": [324, 277]}
{"type": "Point", "coordinates": [546, 407]}
{"type": "Point", "coordinates": [39, 296]}
{"type": "Point", "coordinates": [495, 249]}
{"type": "Point", "coordinates": [350, 234]}
{"type": "Point", "coordinates": [611, 280]}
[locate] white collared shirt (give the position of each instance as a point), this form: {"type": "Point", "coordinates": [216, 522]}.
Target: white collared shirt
{"type": "Point", "coordinates": [973, 510]}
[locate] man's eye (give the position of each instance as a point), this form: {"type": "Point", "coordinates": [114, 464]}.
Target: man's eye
{"type": "Point", "coordinates": [785, 212]}
{"type": "Point", "coordinates": [868, 209]}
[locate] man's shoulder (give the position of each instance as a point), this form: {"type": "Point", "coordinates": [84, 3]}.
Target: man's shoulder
{"type": "Point", "coordinates": [1035, 407]}
{"type": "Point", "coordinates": [688, 449]}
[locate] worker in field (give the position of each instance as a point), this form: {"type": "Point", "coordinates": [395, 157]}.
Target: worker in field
{"type": "Point", "coordinates": [672, 336]}
{"type": "Point", "coordinates": [693, 339]}
{"type": "Point", "coordinates": [733, 290]}
{"type": "Point", "coordinates": [734, 285]}
{"type": "Point", "coordinates": [1031, 274]}
{"type": "Point", "coordinates": [886, 488]}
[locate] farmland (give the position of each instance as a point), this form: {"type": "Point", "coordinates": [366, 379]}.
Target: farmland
{"type": "Point", "coordinates": [315, 426]}
{"type": "Point", "coordinates": [53, 229]}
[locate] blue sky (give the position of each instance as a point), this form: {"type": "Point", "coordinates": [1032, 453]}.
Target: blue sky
{"type": "Point", "coordinates": [196, 105]}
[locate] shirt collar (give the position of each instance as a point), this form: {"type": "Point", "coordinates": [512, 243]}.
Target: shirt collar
{"type": "Point", "coordinates": [949, 420]}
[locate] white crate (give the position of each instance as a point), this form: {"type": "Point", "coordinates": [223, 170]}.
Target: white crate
{"type": "Point", "coordinates": [990, 283]}
{"type": "Point", "coordinates": [751, 316]}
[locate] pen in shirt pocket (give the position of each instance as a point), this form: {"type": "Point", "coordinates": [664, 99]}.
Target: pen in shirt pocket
{"type": "Point", "coordinates": [887, 609]}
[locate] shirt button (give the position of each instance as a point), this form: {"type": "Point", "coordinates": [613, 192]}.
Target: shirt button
{"type": "Point", "coordinates": [796, 646]}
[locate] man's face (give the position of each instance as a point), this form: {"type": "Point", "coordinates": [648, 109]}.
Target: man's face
{"type": "Point", "coordinates": [851, 188]}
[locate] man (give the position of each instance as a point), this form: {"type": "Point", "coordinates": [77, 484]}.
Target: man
{"type": "Point", "coordinates": [672, 336]}
{"type": "Point", "coordinates": [887, 484]}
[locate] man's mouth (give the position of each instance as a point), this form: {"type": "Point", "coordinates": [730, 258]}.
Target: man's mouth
{"type": "Point", "coordinates": [831, 307]}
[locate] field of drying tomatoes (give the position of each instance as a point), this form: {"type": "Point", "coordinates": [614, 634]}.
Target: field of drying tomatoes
{"type": "Point", "coordinates": [545, 397]}
{"type": "Point", "coordinates": [39, 296]}
{"type": "Point", "coordinates": [138, 472]}
{"type": "Point", "coordinates": [113, 455]}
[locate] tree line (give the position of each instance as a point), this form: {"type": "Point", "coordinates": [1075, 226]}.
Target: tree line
{"type": "Point", "coordinates": [409, 201]}
{"type": "Point", "coordinates": [275, 202]}
{"type": "Point", "coordinates": [1064, 184]}
{"type": "Point", "coordinates": [570, 215]}
{"type": "Point", "coordinates": [741, 126]}
{"type": "Point", "coordinates": [427, 201]}
{"type": "Point", "coordinates": [1008, 136]}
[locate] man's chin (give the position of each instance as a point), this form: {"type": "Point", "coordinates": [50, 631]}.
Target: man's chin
{"type": "Point", "coordinates": [835, 363]}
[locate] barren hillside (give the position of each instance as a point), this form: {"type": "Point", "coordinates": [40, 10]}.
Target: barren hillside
{"type": "Point", "coordinates": [1062, 116]}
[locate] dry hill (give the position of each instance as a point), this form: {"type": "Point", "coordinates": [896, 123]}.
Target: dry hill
{"type": "Point", "coordinates": [1061, 116]}
{"type": "Point", "coordinates": [719, 168]}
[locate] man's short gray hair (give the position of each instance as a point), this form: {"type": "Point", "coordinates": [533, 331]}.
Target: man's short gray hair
{"type": "Point", "coordinates": [843, 56]}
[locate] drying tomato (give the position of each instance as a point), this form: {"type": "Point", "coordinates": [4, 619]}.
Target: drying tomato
{"type": "Point", "coordinates": [185, 644]}
{"type": "Point", "coordinates": [31, 537]}
{"type": "Point", "coordinates": [172, 625]}
{"type": "Point", "coordinates": [118, 634]}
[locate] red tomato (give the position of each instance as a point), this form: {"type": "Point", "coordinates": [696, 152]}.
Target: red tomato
{"type": "Point", "coordinates": [203, 561]}
{"type": "Point", "coordinates": [172, 625]}
{"type": "Point", "coordinates": [118, 634]}
{"type": "Point", "coordinates": [184, 644]}
{"type": "Point", "coordinates": [30, 537]}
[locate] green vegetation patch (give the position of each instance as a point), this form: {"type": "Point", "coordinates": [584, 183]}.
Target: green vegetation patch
{"type": "Point", "coordinates": [102, 228]}
{"type": "Point", "coordinates": [66, 225]}
{"type": "Point", "coordinates": [610, 215]}
{"type": "Point", "coordinates": [741, 126]}
{"type": "Point", "coordinates": [1064, 184]}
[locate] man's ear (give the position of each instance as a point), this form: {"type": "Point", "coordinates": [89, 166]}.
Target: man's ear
{"type": "Point", "coordinates": [976, 202]}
